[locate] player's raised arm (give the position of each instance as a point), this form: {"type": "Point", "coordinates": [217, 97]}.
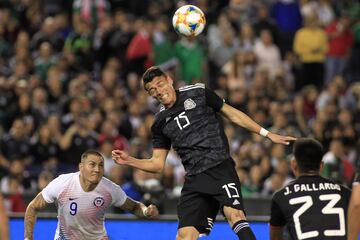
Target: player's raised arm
{"type": "Point", "coordinates": [139, 209]}
{"type": "Point", "coordinates": [155, 164]}
{"type": "Point", "coordinates": [243, 120]}
{"type": "Point", "coordinates": [34, 206]}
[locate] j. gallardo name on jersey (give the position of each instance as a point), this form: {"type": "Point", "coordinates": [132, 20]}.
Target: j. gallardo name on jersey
{"type": "Point", "coordinates": [310, 187]}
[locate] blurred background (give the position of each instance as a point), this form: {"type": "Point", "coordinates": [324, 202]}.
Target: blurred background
{"type": "Point", "coordinates": [70, 79]}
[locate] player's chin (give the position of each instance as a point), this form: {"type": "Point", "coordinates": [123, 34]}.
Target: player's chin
{"type": "Point", "coordinates": [95, 178]}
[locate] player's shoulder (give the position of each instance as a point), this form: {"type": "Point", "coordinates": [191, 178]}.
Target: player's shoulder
{"type": "Point", "coordinates": [66, 177]}
{"type": "Point", "coordinates": [108, 184]}
{"type": "Point", "coordinates": [342, 186]}
{"type": "Point", "coordinates": [192, 87]}
{"type": "Point", "coordinates": [282, 190]}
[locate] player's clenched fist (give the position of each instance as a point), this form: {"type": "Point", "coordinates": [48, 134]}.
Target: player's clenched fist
{"type": "Point", "coordinates": [151, 211]}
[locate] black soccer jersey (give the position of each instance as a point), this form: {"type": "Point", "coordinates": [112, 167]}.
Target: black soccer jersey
{"type": "Point", "coordinates": [311, 207]}
{"type": "Point", "coordinates": [193, 128]}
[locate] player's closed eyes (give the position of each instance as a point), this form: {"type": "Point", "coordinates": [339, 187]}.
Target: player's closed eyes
{"type": "Point", "coordinates": [153, 91]}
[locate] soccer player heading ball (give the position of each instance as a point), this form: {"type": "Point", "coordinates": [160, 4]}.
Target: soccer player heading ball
{"type": "Point", "coordinates": [190, 122]}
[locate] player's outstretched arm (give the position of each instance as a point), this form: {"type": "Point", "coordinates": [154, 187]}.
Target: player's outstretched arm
{"type": "Point", "coordinates": [32, 209]}
{"type": "Point", "coordinates": [139, 209]}
{"type": "Point", "coordinates": [4, 221]}
{"type": "Point", "coordinates": [354, 213]}
{"type": "Point", "coordinates": [243, 120]}
{"type": "Point", "coordinates": [155, 164]}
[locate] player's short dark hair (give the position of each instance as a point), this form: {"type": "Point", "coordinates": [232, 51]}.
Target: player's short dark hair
{"type": "Point", "coordinates": [150, 74]}
{"type": "Point", "coordinates": [308, 154]}
{"type": "Point", "coordinates": [90, 152]}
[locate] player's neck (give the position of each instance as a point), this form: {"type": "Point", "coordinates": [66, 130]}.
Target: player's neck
{"type": "Point", "coordinates": [86, 185]}
{"type": "Point", "coordinates": [310, 173]}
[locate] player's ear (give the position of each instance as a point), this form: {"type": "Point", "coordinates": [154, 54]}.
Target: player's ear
{"type": "Point", "coordinates": [81, 165]}
{"type": "Point", "coordinates": [321, 166]}
{"type": "Point", "coordinates": [170, 80]}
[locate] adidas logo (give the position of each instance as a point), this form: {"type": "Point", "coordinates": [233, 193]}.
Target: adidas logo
{"type": "Point", "coordinates": [236, 202]}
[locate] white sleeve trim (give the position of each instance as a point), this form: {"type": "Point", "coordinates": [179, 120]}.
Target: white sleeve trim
{"type": "Point", "coordinates": [189, 87]}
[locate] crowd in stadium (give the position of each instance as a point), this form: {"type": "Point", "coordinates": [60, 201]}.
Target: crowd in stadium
{"type": "Point", "coordinates": [70, 80]}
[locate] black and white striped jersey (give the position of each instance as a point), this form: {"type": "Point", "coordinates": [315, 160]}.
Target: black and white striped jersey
{"type": "Point", "coordinates": [193, 127]}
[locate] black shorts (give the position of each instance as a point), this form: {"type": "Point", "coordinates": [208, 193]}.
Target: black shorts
{"type": "Point", "coordinates": [205, 193]}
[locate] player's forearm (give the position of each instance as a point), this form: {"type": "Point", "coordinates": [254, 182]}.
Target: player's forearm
{"type": "Point", "coordinates": [353, 221]}
{"type": "Point", "coordinates": [139, 210]}
{"type": "Point", "coordinates": [240, 119]}
{"type": "Point", "coordinates": [30, 220]}
{"type": "Point", "coordinates": [135, 207]}
{"type": "Point", "coordinates": [148, 165]}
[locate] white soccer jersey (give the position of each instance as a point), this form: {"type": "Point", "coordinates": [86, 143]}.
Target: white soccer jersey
{"type": "Point", "coordinates": [80, 213]}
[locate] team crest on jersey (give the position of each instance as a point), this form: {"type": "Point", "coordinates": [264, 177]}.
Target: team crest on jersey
{"type": "Point", "coordinates": [99, 201]}
{"type": "Point", "coordinates": [189, 104]}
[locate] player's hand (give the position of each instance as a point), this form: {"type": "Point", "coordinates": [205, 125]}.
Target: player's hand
{"type": "Point", "coordinates": [120, 157]}
{"type": "Point", "coordinates": [151, 211]}
{"type": "Point", "coordinates": [275, 138]}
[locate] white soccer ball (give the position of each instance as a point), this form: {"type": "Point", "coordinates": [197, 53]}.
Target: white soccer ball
{"type": "Point", "coordinates": [189, 21]}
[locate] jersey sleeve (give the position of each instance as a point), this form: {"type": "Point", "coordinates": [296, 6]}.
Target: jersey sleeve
{"type": "Point", "coordinates": [213, 100]}
{"type": "Point", "coordinates": [277, 218]}
{"type": "Point", "coordinates": [118, 195]}
{"type": "Point", "coordinates": [51, 192]}
{"type": "Point", "coordinates": [159, 140]}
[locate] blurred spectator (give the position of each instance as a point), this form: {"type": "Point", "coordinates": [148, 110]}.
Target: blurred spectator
{"type": "Point", "coordinates": [336, 166]}
{"type": "Point", "coordinates": [15, 144]}
{"type": "Point", "coordinates": [91, 12]}
{"type": "Point", "coordinates": [77, 138]}
{"type": "Point", "coordinates": [44, 146]}
{"type": "Point", "coordinates": [340, 42]}
{"type": "Point", "coordinates": [253, 187]}
{"type": "Point", "coordinates": [109, 133]}
{"type": "Point", "coordinates": [163, 48]}
{"type": "Point", "coordinates": [47, 33]}
{"type": "Point", "coordinates": [77, 48]}
{"type": "Point", "coordinates": [264, 22]}
{"type": "Point", "coordinates": [247, 37]}
{"type": "Point", "coordinates": [288, 19]}
{"type": "Point", "coordinates": [115, 41]}
{"type": "Point", "coordinates": [241, 11]}
{"type": "Point", "coordinates": [191, 57]}
{"type": "Point", "coordinates": [310, 44]}
{"type": "Point", "coordinates": [275, 182]}
{"type": "Point", "coordinates": [267, 53]}
{"type": "Point", "coordinates": [139, 54]}
{"type": "Point", "coordinates": [321, 8]}
{"type": "Point", "coordinates": [44, 179]}
{"type": "Point", "coordinates": [15, 184]}
{"type": "Point", "coordinates": [144, 187]}
{"type": "Point", "coordinates": [44, 60]}
{"type": "Point", "coordinates": [354, 61]}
